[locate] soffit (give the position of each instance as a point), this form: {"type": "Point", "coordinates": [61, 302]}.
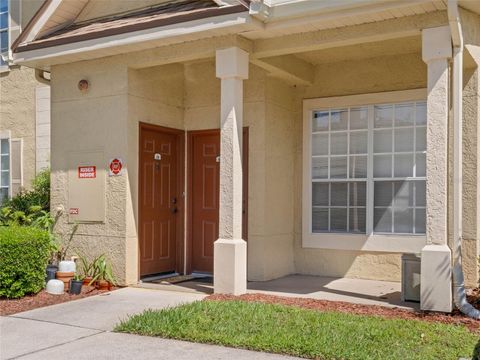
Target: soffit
{"type": "Point", "coordinates": [407, 45]}
{"type": "Point", "coordinates": [370, 14]}
{"type": "Point", "coordinates": [66, 13]}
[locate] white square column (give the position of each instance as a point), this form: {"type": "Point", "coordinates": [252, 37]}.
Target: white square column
{"type": "Point", "coordinates": [230, 250]}
{"type": "Point", "coordinates": [436, 268]}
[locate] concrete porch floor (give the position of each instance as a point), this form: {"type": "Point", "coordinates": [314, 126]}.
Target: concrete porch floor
{"type": "Point", "coordinates": [357, 291]}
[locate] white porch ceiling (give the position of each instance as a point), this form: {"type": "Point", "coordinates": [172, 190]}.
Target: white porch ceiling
{"type": "Point", "coordinates": [407, 45]}
{"type": "Point", "coordinates": [332, 20]}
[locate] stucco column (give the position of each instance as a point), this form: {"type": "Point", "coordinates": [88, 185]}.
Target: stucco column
{"type": "Point", "coordinates": [436, 269]}
{"type": "Point", "coordinates": [230, 250]}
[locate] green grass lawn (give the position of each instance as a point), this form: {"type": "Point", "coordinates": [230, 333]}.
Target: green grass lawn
{"type": "Point", "coordinates": [306, 333]}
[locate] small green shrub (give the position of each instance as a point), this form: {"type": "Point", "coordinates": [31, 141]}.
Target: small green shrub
{"type": "Point", "coordinates": [24, 253]}
{"type": "Point", "coordinates": [35, 216]}
{"type": "Point", "coordinates": [39, 196]}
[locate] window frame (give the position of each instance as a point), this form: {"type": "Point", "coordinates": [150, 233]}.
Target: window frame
{"type": "Point", "coordinates": [6, 136]}
{"type": "Point", "coordinates": [5, 67]}
{"type": "Point", "coordinates": [370, 241]}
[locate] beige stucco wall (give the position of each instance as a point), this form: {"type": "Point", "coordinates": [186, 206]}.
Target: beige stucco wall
{"type": "Point", "coordinates": [471, 177]}
{"type": "Point", "coordinates": [17, 113]}
{"type": "Point", "coordinates": [187, 97]}
{"type": "Point", "coordinates": [270, 228]}
{"type": "Point", "coordinates": [471, 153]}
{"type": "Point", "coordinates": [96, 120]}
{"type": "Point", "coordinates": [155, 96]}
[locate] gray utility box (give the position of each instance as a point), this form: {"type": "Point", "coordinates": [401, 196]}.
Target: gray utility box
{"type": "Point", "coordinates": [411, 277]}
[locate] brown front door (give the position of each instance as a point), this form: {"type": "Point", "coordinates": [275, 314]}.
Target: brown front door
{"type": "Point", "coordinates": [159, 197]}
{"type": "Point", "coordinates": [204, 189]}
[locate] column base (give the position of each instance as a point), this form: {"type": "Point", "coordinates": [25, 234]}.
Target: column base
{"type": "Point", "coordinates": [436, 279]}
{"type": "Point", "coordinates": [230, 266]}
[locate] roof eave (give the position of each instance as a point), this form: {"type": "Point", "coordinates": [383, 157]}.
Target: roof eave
{"type": "Point", "coordinates": [182, 18]}
{"type": "Point", "coordinates": [176, 32]}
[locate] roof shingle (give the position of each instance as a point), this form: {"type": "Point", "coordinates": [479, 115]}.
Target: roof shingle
{"type": "Point", "coordinates": [172, 12]}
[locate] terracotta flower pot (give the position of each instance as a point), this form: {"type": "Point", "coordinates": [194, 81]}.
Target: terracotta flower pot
{"type": "Point", "coordinates": [103, 285]}
{"type": "Point", "coordinates": [65, 277]}
{"type": "Point", "coordinates": [87, 280]}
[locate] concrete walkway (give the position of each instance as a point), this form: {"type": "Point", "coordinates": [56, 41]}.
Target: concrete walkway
{"type": "Point", "coordinates": [356, 291]}
{"type": "Point", "coordinates": [81, 329]}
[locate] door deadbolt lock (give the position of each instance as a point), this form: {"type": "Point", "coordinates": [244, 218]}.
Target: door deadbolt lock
{"type": "Point", "coordinates": [157, 156]}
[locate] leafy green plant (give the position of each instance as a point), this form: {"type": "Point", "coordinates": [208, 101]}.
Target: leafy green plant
{"type": "Point", "coordinates": [87, 267]}
{"type": "Point", "coordinates": [44, 221]}
{"type": "Point", "coordinates": [61, 244]}
{"type": "Point", "coordinates": [24, 253]}
{"type": "Point", "coordinates": [103, 271]}
{"type": "Point", "coordinates": [38, 196]}
{"type": "Point", "coordinates": [34, 216]}
{"type": "Point", "coordinates": [78, 277]}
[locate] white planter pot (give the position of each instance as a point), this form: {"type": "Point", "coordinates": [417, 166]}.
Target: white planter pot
{"type": "Point", "coordinates": [67, 266]}
{"type": "Point", "coordinates": [55, 287]}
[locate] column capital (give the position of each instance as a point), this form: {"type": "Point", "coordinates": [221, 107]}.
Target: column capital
{"type": "Point", "coordinates": [436, 43]}
{"type": "Point", "coordinates": [231, 63]}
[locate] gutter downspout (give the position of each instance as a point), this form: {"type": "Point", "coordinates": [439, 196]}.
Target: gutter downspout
{"type": "Point", "coordinates": [259, 10]}
{"type": "Point", "coordinates": [40, 76]}
{"type": "Point", "coordinates": [459, 296]}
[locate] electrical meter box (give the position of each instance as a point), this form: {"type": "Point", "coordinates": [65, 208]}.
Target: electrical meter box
{"type": "Point", "coordinates": [411, 265]}
{"type": "Point", "coordinates": [86, 187]}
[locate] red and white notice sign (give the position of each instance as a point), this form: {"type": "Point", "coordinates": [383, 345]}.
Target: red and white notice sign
{"type": "Point", "coordinates": [87, 172]}
{"type": "Point", "coordinates": [115, 167]}
{"type": "Point", "coordinates": [73, 211]}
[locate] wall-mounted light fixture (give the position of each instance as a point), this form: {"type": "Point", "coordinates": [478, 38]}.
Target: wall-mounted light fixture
{"type": "Point", "coordinates": [83, 85]}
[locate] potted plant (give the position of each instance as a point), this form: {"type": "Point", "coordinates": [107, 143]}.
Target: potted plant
{"type": "Point", "coordinates": [87, 268]}
{"type": "Point", "coordinates": [76, 284]}
{"type": "Point", "coordinates": [66, 269]}
{"type": "Point", "coordinates": [50, 272]}
{"type": "Point", "coordinates": [103, 278]}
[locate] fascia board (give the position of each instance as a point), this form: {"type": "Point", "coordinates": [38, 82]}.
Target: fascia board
{"type": "Point", "coordinates": [242, 20]}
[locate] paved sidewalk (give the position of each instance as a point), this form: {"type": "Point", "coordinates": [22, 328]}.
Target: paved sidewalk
{"type": "Point", "coordinates": [81, 329]}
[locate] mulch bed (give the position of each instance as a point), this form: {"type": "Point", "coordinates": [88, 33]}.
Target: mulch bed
{"type": "Point", "coordinates": [455, 318]}
{"type": "Point", "coordinates": [29, 302]}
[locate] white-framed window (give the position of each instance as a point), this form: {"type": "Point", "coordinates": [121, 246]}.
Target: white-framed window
{"type": "Point", "coordinates": [11, 165]}
{"type": "Point", "coordinates": [364, 172]}
{"type": "Point", "coordinates": [4, 169]}
{"type": "Point", "coordinates": [4, 42]}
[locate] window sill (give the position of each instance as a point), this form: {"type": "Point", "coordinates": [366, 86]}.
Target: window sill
{"type": "Point", "coordinates": [360, 242]}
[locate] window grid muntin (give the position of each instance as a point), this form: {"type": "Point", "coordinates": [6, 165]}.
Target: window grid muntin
{"type": "Point", "coordinates": [4, 158]}
{"type": "Point", "coordinates": [348, 179]}
{"type": "Point", "coordinates": [346, 207]}
{"type": "Point", "coordinates": [370, 179]}
{"type": "Point", "coordinates": [4, 32]}
{"type": "Point", "coordinates": [394, 179]}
